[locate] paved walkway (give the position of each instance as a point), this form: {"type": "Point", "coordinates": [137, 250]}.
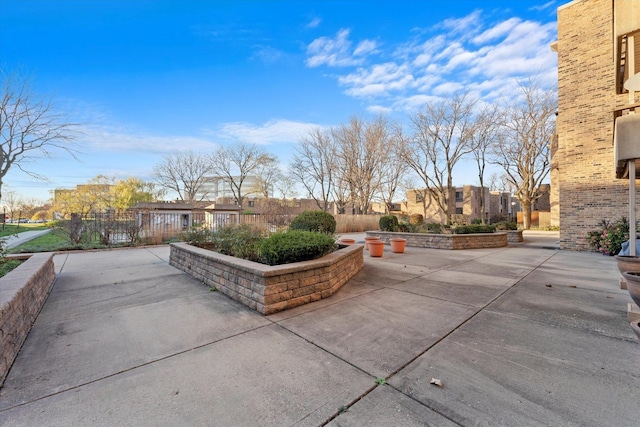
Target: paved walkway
{"type": "Point", "coordinates": [23, 237]}
{"type": "Point", "coordinates": [518, 336]}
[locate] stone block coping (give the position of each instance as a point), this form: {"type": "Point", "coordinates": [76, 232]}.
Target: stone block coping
{"type": "Point", "coordinates": [23, 292]}
{"type": "Point", "coordinates": [446, 241]}
{"type": "Point", "coordinates": [269, 289]}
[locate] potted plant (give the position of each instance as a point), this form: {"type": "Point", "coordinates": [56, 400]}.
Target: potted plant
{"type": "Point", "coordinates": [376, 248]}
{"type": "Point", "coordinates": [397, 245]}
{"type": "Point", "coordinates": [369, 239]}
{"type": "Point", "coordinates": [633, 285]}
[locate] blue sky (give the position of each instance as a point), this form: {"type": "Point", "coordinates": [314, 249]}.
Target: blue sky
{"type": "Point", "coordinates": [148, 78]}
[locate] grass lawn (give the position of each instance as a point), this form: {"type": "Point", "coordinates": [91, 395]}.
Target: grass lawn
{"type": "Point", "coordinates": [53, 241]}
{"type": "Point", "coordinates": [9, 229]}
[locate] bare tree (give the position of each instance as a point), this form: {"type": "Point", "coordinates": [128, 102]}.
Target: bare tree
{"type": "Point", "coordinates": [314, 166]}
{"type": "Point", "coordinates": [484, 135]}
{"type": "Point", "coordinates": [184, 173]}
{"type": "Point", "coordinates": [11, 203]}
{"type": "Point", "coordinates": [28, 126]}
{"type": "Point", "coordinates": [442, 137]}
{"type": "Point", "coordinates": [394, 168]}
{"type": "Point", "coordinates": [267, 176]}
{"type": "Point", "coordinates": [523, 151]}
{"type": "Point", "coordinates": [362, 148]}
{"type": "Point", "coordinates": [238, 161]}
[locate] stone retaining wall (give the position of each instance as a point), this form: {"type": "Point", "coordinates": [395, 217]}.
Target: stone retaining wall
{"type": "Point", "coordinates": [515, 236]}
{"type": "Point", "coordinates": [446, 241]}
{"type": "Point", "coordinates": [269, 289]}
{"type": "Point", "coordinates": [23, 291]}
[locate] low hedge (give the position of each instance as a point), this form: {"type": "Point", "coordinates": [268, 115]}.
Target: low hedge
{"type": "Point", "coordinates": [294, 246]}
{"type": "Point", "coordinates": [319, 221]}
{"type": "Point", "coordinates": [474, 228]}
{"type": "Point", "coordinates": [388, 223]}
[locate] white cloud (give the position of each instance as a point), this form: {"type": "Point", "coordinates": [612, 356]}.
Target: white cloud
{"type": "Point", "coordinates": [470, 54]}
{"type": "Point", "coordinates": [337, 52]}
{"type": "Point", "coordinates": [378, 80]}
{"type": "Point", "coordinates": [267, 54]}
{"type": "Point", "coordinates": [271, 132]}
{"type": "Point", "coordinates": [365, 47]}
{"type": "Point", "coordinates": [379, 109]}
{"type": "Point", "coordinates": [497, 31]}
{"type": "Point", "coordinates": [449, 89]}
{"type": "Point", "coordinates": [314, 23]}
{"type": "Point", "coordinates": [120, 139]}
{"type": "Point", "coordinates": [467, 24]}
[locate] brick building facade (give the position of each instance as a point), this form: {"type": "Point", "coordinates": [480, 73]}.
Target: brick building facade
{"type": "Point", "coordinates": [591, 67]}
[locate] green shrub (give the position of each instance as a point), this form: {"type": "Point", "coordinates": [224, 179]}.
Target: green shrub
{"type": "Point", "coordinates": [434, 227]}
{"type": "Point", "coordinates": [473, 228]}
{"type": "Point", "coordinates": [319, 221]}
{"type": "Point", "coordinates": [476, 221]}
{"type": "Point", "coordinates": [238, 241]}
{"type": "Point", "coordinates": [416, 219]}
{"type": "Point", "coordinates": [388, 223]}
{"type": "Point", "coordinates": [294, 246]}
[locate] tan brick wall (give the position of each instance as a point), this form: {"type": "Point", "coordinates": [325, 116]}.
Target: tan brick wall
{"type": "Point", "coordinates": [269, 289]}
{"type": "Point", "coordinates": [22, 294]}
{"type": "Point", "coordinates": [586, 186]}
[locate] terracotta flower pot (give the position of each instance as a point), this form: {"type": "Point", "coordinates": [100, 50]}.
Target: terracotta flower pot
{"type": "Point", "coordinates": [376, 248]}
{"type": "Point", "coordinates": [635, 325]}
{"type": "Point", "coordinates": [347, 241]}
{"type": "Point", "coordinates": [628, 263]}
{"type": "Point", "coordinates": [633, 285]}
{"type": "Point", "coordinates": [397, 245]}
{"type": "Point", "coordinates": [369, 239]}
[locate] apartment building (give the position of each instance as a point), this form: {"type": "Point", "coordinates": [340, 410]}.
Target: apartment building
{"type": "Point", "coordinates": [598, 50]}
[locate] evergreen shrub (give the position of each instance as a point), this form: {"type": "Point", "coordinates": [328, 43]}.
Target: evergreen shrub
{"type": "Point", "coordinates": [318, 221]}
{"type": "Point", "coordinates": [388, 223]}
{"type": "Point", "coordinates": [294, 246]}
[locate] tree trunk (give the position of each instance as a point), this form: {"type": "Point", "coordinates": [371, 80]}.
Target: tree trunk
{"type": "Point", "coordinates": [526, 214]}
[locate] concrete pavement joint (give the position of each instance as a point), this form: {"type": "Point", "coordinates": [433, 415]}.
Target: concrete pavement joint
{"type": "Point", "coordinates": [170, 356]}
{"type": "Point", "coordinates": [392, 374]}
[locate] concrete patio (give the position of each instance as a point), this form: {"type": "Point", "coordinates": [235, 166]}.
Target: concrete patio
{"type": "Point", "coordinates": [523, 335]}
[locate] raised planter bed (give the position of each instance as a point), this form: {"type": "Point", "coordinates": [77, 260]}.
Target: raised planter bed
{"type": "Point", "coordinates": [269, 289]}
{"type": "Point", "coordinates": [514, 236]}
{"type": "Point", "coordinates": [23, 291]}
{"type": "Point", "coordinates": [446, 241]}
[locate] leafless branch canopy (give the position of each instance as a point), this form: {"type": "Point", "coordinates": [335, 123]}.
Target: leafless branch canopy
{"type": "Point", "coordinates": [29, 125]}
{"type": "Point", "coordinates": [185, 173]}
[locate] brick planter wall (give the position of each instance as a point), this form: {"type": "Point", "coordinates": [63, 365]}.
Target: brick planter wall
{"type": "Point", "coordinates": [514, 236]}
{"type": "Point", "coordinates": [22, 293]}
{"type": "Point", "coordinates": [269, 289]}
{"type": "Point", "coordinates": [446, 241]}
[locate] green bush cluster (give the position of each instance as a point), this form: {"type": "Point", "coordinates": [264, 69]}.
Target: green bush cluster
{"type": "Point", "coordinates": [474, 228]}
{"type": "Point", "coordinates": [318, 221]}
{"type": "Point", "coordinates": [609, 239]}
{"type": "Point", "coordinates": [294, 246]}
{"type": "Point", "coordinates": [240, 241]}
{"type": "Point", "coordinates": [388, 223]}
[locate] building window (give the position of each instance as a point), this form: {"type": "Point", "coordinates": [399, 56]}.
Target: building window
{"type": "Point", "coordinates": [458, 196]}
{"type": "Point", "coordinates": [252, 203]}
{"type": "Point", "coordinates": [458, 211]}
{"type": "Point", "coordinates": [419, 198]}
{"type": "Point", "coordinates": [628, 47]}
